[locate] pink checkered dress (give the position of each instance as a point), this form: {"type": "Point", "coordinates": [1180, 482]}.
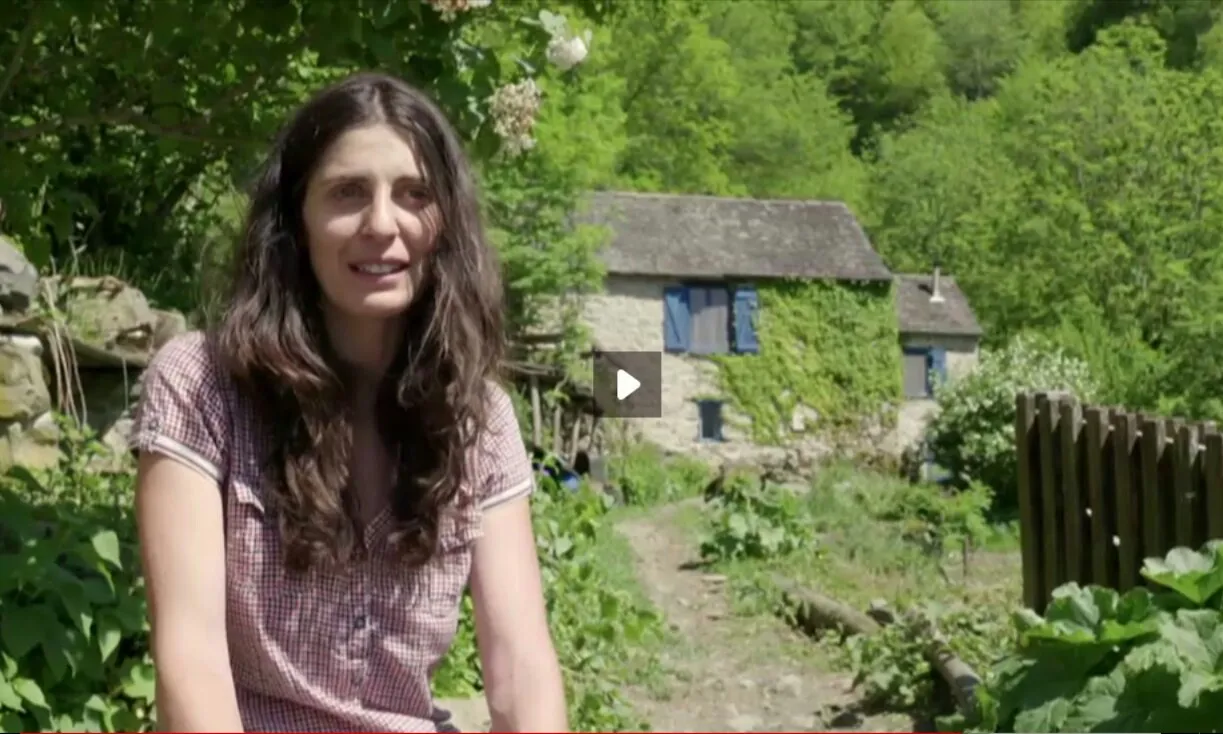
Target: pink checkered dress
{"type": "Point", "coordinates": [330, 651]}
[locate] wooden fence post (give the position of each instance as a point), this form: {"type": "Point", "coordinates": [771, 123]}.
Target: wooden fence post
{"type": "Point", "coordinates": [1029, 500]}
{"type": "Point", "coordinates": [1126, 480]}
{"type": "Point", "coordinates": [1213, 469]}
{"type": "Point", "coordinates": [1051, 506]}
{"type": "Point", "coordinates": [1097, 434]}
{"type": "Point", "coordinates": [1154, 438]}
{"type": "Point", "coordinates": [1185, 487]}
{"type": "Point", "coordinates": [1072, 491]}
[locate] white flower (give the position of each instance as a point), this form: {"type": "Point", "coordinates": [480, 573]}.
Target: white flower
{"type": "Point", "coordinates": [513, 108]}
{"type": "Point", "coordinates": [567, 53]}
{"type": "Point", "coordinates": [450, 9]}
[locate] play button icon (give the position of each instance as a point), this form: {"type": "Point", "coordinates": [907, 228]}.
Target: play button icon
{"type": "Point", "coordinates": [626, 384]}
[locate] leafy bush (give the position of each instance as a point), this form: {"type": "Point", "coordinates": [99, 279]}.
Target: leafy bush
{"type": "Point", "coordinates": [1102, 661]}
{"type": "Point", "coordinates": [755, 519]}
{"type": "Point", "coordinates": [73, 628]}
{"type": "Point", "coordinates": [891, 668]}
{"type": "Point", "coordinates": [644, 476]}
{"type": "Point", "coordinates": [601, 632]}
{"type": "Point", "coordinates": [934, 519]}
{"type": "Point", "coordinates": [973, 433]}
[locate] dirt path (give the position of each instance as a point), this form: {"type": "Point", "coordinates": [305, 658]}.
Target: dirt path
{"type": "Point", "coordinates": [731, 673]}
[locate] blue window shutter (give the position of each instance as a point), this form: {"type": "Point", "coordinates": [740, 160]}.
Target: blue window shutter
{"type": "Point", "coordinates": [746, 303]}
{"type": "Point", "coordinates": [937, 372]}
{"type": "Point", "coordinates": [677, 324]}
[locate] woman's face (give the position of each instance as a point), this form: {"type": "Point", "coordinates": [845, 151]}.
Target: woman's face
{"type": "Point", "coordinates": [371, 223]}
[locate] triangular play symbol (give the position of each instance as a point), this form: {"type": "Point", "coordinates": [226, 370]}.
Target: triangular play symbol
{"type": "Point", "coordinates": [626, 384]}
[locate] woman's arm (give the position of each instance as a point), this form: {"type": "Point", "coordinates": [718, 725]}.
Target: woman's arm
{"type": "Point", "coordinates": [180, 515]}
{"type": "Point", "coordinates": [522, 677]}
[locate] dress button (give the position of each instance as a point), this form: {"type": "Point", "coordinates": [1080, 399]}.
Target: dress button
{"type": "Point", "coordinates": [359, 623]}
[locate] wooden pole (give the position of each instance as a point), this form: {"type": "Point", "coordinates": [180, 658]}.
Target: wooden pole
{"type": "Point", "coordinates": [575, 435]}
{"type": "Point", "coordinates": [537, 429]}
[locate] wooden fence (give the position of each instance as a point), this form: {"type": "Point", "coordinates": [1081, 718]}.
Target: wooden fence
{"type": "Point", "coordinates": [1102, 489]}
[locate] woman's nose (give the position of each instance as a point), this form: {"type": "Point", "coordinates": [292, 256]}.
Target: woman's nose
{"type": "Point", "coordinates": [380, 218]}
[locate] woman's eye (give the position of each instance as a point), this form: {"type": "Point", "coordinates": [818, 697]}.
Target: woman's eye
{"type": "Point", "coordinates": [349, 190]}
{"type": "Point", "coordinates": [416, 193]}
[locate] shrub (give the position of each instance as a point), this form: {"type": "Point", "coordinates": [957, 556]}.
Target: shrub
{"type": "Point", "coordinates": [973, 434]}
{"type": "Point", "coordinates": [73, 630]}
{"type": "Point", "coordinates": [755, 519]}
{"type": "Point", "coordinates": [644, 476]}
{"type": "Point", "coordinates": [936, 519]}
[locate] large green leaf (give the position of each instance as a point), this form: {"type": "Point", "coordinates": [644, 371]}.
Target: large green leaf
{"type": "Point", "coordinates": [30, 692]}
{"type": "Point", "coordinates": [1091, 617]}
{"type": "Point", "coordinates": [106, 544]}
{"type": "Point", "coordinates": [21, 627]}
{"type": "Point", "coordinates": [1197, 576]}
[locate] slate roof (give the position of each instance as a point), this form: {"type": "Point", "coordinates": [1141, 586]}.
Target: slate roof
{"type": "Point", "coordinates": [917, 315]}
{"type": "Point", "coordinates": [717, 237]}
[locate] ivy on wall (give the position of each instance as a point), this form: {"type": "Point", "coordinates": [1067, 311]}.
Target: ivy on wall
{"type": "Point", "coordinates": [828, 348]}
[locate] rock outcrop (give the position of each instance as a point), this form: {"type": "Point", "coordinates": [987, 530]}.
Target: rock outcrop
{"type": "Point", "coordinates": [72, 345]}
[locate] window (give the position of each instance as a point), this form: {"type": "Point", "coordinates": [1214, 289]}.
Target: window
{"type": "Point", "coordinates": [710, 306]}
{"type": "Point", "coordinates": [710, 413]}
{"type": "Point", "coordinates": [924, 367]}
{"type": "Point", "coordinates": [710, 318]}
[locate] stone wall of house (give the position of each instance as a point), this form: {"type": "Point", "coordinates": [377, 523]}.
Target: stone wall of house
{"type": "Point", "coordinates": [915, 415]}
{"type": "Point", "coordinates": [628, 316]}
{"type": "Point", "coordinates": [70, 345]}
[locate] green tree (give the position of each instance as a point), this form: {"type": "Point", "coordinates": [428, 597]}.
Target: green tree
{"type": "Point", "coordinates": [1081, 200]}
{"type": "Point", "coordinates": [680, 86]}
{"type": "Point", "coordinates": [125, 125]}
{"type": "Point", "coordinates": [714, 104]}
{"type": "Point", "coordinates": [882, 61]}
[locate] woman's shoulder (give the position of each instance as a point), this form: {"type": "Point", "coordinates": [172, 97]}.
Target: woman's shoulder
{"type": "Point", "coordinates": [184, 404]}
{"type": "Point", "coordinates": [497, 398]}
{"type": "Point", "coordinates": [186, 359]}
{"type": "Point", "coordinates": [500, 416]}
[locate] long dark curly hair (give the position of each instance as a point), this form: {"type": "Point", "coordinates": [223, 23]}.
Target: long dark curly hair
{"type": "Point", "coordinates": [431, 402]}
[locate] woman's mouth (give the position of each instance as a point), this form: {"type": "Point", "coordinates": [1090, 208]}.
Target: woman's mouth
{"type": "Point", "coordinates": [378, 269]}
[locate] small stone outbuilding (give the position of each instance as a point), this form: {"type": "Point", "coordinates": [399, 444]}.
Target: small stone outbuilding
{"type": "Point", "coordinates": [940, 338]}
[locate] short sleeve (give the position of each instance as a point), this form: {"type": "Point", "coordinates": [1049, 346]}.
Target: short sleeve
{"type": "Point", "coordinates": [502, 468]}
{"type": "Point", "coordinates": [182, 412]}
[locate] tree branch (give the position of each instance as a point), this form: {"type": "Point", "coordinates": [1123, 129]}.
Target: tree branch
{"type": "Point", "coordinates": [195, 132]}
{"type": "Point", "coordinates": [23, 43]}
{"type": "Point", "coordinates": [128, 119]}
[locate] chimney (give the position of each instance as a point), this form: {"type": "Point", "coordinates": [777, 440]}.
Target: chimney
{"type": "Point", "coordinates": [936, 294]}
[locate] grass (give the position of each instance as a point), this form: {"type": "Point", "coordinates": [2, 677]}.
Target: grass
{"type": "Point", "coordinates": [643, 476]}
{"type": "Point", "coordinates": [618, 562]}
{"type": "Point", "coordinates": [868, 550]}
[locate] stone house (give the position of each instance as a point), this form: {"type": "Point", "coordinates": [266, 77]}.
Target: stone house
{"type": "Point", "coordinates": [680, 275]}
{"type": "Point", "coordinates": [680, 272]}
{"type": "Point", "coordinates": [939, 337]}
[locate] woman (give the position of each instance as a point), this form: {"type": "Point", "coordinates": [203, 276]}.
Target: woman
{"type": "Point", "coordinates": [320, 476]}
